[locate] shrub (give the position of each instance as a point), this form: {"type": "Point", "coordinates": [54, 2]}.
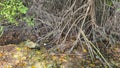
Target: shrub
{"type": "Point", "coordinates": [11, 10]}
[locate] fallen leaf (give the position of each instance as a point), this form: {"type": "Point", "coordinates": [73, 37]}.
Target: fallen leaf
{"type": "Point", "coordinates": [1, 54]}
{"type": "Point", "coordinates": [84, 50]}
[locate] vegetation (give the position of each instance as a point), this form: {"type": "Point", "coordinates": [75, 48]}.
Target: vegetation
{"type": "Point", "coordinates": [69, 27]}
{"type": "Point", "coordinates": [12, 10]}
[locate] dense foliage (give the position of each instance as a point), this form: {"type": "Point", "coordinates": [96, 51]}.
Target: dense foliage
{"type": "Point", "coordinates": [12, 10]}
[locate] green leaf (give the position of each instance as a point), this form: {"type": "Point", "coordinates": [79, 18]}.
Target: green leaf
{"type": "Point", "coordinates": [23, 9]}
{"type": "Point", "coordinates": [2, 4]}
